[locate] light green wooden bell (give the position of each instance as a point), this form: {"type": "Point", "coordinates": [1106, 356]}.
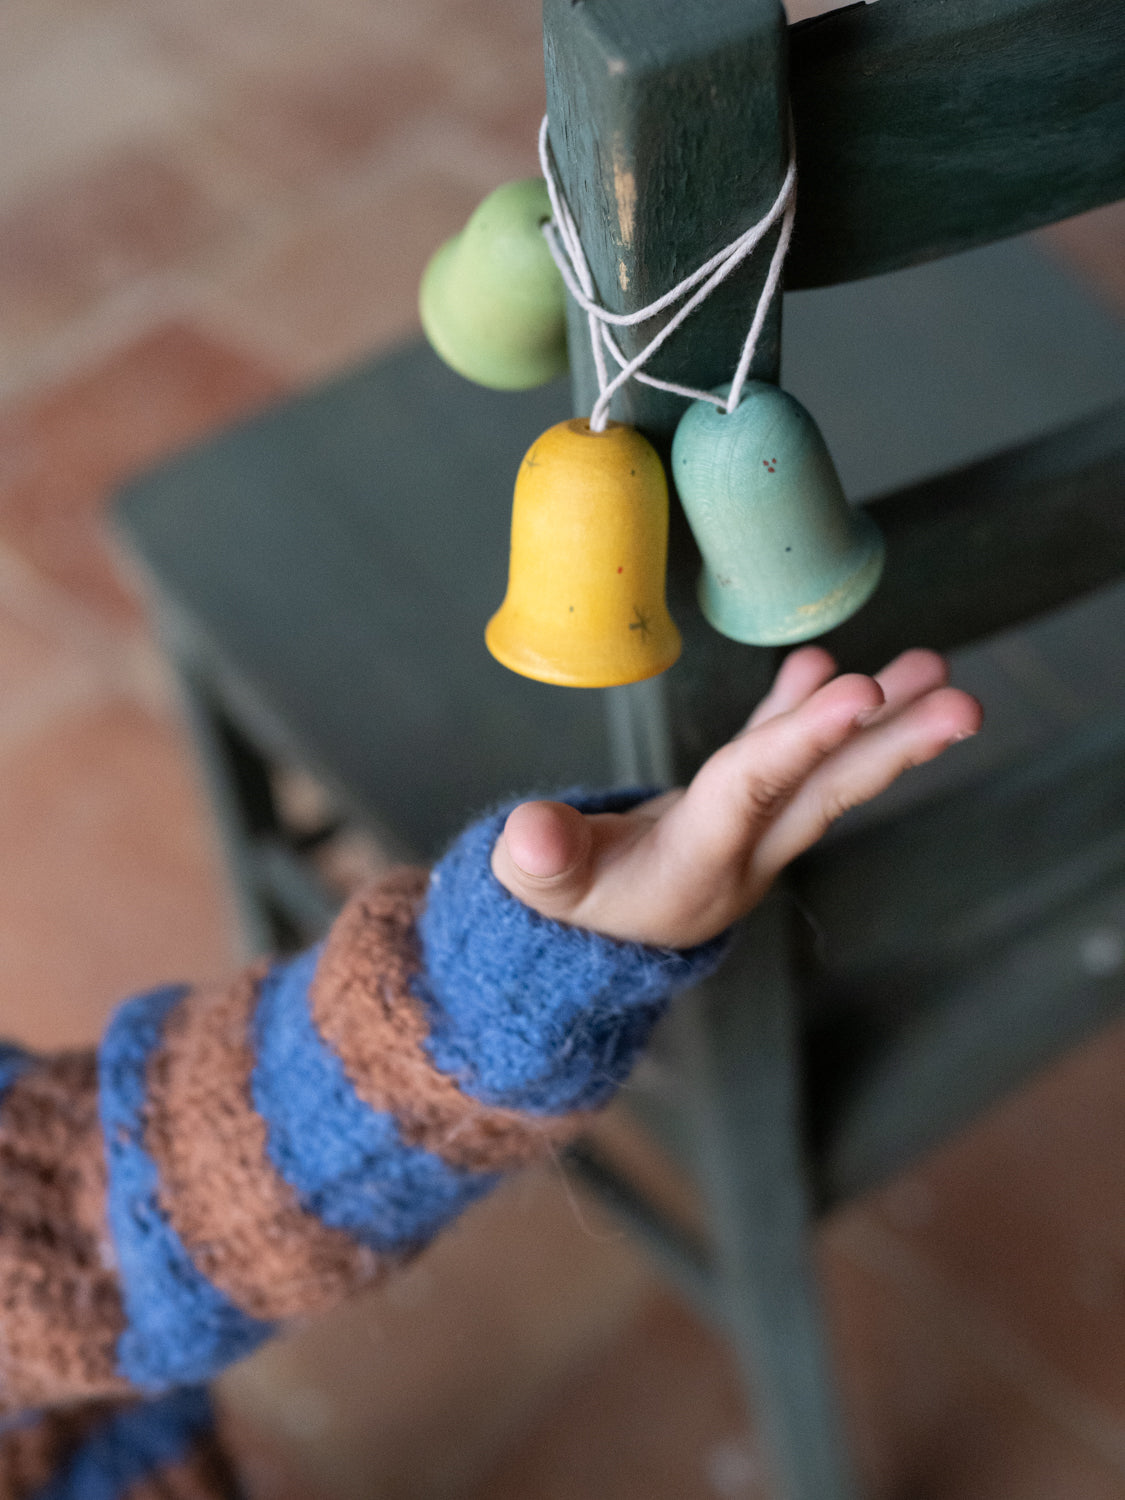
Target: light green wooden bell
{"type": "Point", "coordinates": [785, 557]}
{"type": "Point", "coordinates": [492, 301]}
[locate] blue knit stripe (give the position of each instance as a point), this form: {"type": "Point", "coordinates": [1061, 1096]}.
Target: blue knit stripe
{"type": "Point", "coordinates": [14, 1061]}
{"type": "Point", "coordinates": [531, 1013]}
{"type": "Point", "coordinates": [179, 1327]}
{"type": "Point", "coordinates": [131, 1445]}
{"type": "Point", "coordinates": [347, 1162]}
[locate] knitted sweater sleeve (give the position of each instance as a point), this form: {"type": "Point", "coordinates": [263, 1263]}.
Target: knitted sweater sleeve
{"type": "Point", "coordinates": [237, 1155]}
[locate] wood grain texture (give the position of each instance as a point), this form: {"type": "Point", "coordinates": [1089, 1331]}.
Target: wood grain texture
{"type": "Point", "coordinates": [901, 1092]}
{"type": "Point", "coordinates": [946, 883]}
{"type": "Point", "coordinates": [668, 128]}
{"type": "Point", "coordinates": [926, 128]}
{"type": "Point", "coordinates": [986, 547]}
{"type": "Point", "coordinates": [962, 963]}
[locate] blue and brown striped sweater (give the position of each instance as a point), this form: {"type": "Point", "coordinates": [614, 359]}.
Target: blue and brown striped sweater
{"type": "Point", "coordinates": [232, 1157]}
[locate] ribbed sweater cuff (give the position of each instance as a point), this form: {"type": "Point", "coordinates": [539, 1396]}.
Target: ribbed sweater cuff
{"type": "Point", "coordinates": [528, 1013]}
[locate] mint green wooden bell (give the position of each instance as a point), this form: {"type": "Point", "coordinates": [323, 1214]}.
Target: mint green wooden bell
{"type": "Point", "coordinates": [492, 301]}
{"type": "Point", "coordinates": [784, 555]}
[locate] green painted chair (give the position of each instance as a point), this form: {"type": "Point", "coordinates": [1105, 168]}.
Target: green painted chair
{"type": "Point", "coordinates": [322, 580]}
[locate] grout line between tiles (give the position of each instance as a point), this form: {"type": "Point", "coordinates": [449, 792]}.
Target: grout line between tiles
{"type": "Point", "coordinates": [222, 315]}
{"type": "Point", "coordinates": [38, 601]}
{"type": "Point", "coordinates": [110, 662]}
{"type": "Point", "coordinates": [84, 341]}
{"type": "Point", "coordinates": [129, 312]}
{"type": "Point", "coordinates": [37, 710]}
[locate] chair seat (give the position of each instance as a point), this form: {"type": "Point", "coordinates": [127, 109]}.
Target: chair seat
{"type": "Point", "coordinates": [330, 566]}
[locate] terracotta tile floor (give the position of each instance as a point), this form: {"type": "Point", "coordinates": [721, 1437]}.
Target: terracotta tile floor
{"type": "Point", "coordinates": [202, 206]}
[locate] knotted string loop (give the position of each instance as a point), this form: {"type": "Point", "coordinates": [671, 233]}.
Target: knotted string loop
{"type": "Point", "coordinates": [565, 245]}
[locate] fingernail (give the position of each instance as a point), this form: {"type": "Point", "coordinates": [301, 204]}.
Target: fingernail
{"type": "Point", "coordinates": [865, 716]}
{"type": "Point", "coordinates": [966, 734]}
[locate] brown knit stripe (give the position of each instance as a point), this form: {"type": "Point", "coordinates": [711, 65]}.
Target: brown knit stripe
{"type": "Point", "coordinates": [364, 1010]}
{"type": "Point", "coordinates": [237, 1217]}
{"type": "Point", "coordinates": [60, 1308]}
{"type": "Point", "coordinates": [204, 1474]}
{"type": "Point", "coordinates": [33, 1452]}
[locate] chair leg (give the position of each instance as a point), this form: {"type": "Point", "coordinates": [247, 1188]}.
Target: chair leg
{"type": "Point", "coordinates": [281, 905]}
{"type": "Point", "coordinates": [738, 1047]}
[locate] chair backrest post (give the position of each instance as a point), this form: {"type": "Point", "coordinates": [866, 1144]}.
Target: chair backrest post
{"type": "Point", "coordinates": [669, 130]}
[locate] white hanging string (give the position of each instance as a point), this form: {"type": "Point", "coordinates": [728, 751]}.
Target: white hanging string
{"type": "Point", "coordinates": [565, 245]}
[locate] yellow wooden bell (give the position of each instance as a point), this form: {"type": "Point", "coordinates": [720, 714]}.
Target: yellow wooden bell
{"type": "Point", "coordinates": [585, 602]}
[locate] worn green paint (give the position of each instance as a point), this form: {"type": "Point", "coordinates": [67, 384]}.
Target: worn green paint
{"type": "Point", "coordinates": [784, 558]}
{"type": "Point", "coordinates": [668, 128]}
{"type": "Point", "coordinates": [953, 968]}
{"type": "Point", "coordinates": [958, 875]}
{"type": "Point", "coordinates": [927, 126]}
{"type": "Point", "coordinates": [997, 543]}
{"type": "Point", "coordinates": [739, 1042]}
{"type": "Point", "coordinates": [984, 1032]}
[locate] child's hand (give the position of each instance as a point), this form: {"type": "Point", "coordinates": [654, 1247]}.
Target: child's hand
{"type": "Point", "coordinates": [675, 871]}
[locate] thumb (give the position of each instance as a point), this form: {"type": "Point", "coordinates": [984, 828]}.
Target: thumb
{"type": "Point", "coordinates": [545, 856]}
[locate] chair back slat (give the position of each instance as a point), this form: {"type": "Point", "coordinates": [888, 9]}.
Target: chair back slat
{"type": "Point", "coordinates": [924, 128]}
